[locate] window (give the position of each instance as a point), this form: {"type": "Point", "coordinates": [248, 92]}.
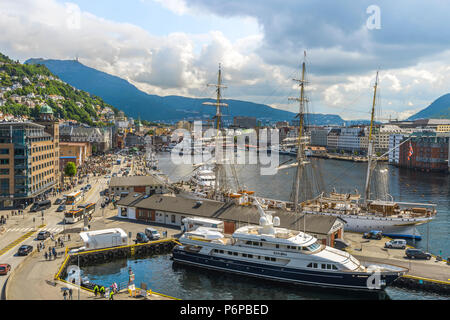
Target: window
{"type": "Point", "coordinates": [273, 259]}
{"type": "Point", "coordinates": [4, 171]}
{"type": "Point", "coordinates": [4, 161]}
{"type": "Point", "coordinates": [235, 253]}
{"type": "Point", "coordinates": [334, 267]}
{"type": "Point", "coordinates": [244, 255]}
{"type": "Point", "coordinates": [230, 253]}
{"type": "Point", "coordinates": [324, 266]}
{"type": "Point", "coordinates": [4, 151]}
{"type": "Point", "coordinates": [250, 255]}
{"type": "Point", "coordinates": [173, 218]}
{"type": "Point", "coordinates": [267, 258]}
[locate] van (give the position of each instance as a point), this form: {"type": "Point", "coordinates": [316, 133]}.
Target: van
{"type": "Point", "coordinates": [396, 244]}
{"type": "Point", "coordinates": [152, 234]}
{"type": "Point", "coordinates": [42, 205]}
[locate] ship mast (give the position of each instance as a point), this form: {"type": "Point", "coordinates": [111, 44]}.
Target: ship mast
{"type": "Point", "coordinates": [218, 104]}
{"type": "Point", "coordinates": [301, 157]}
{"type": "Point", "coordinates": [370, 145]}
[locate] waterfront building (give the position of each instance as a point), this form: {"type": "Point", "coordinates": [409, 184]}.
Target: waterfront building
{"type": "Point", "coordinates": [430, 152]}
{"type": "Point", "coordinates": [394, 150]}
{"type": "Point", "coordinates": [244, 122]}
{"type": "Point", "coordinates": [319, 137]}
{"type": "Point", "coordinates": [333, 139]}
{"type": "Point", "coordinates": [171, 210]}
{"type": "Point", "coordinates": [28, 160]}
{"type": "Point", "coordinates": [122, 186]}
{"type": "Point", "coordinates": [349, 139]}
{"type": "Point", "coordinates": [77, 152]}
{"type": "Point", "coordinates": [134, 140]}
{"type": "Point", "coordinates": [100, 138]}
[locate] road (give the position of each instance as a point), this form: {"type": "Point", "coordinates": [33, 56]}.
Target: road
{"type": "Point", "coordinates": [18, 226]}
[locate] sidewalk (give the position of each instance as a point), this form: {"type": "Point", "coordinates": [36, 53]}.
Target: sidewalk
{"type": "Point", "coordinates": [34, 281]}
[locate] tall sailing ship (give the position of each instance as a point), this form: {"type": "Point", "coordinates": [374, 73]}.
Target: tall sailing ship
{"type": "Point", "coordinates": [393, 218]}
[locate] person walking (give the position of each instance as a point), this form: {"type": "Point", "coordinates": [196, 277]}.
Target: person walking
{"type": "Point", "coordinates": [65, 294]}
{"type": "Point", "coordinates": [70, 294]}
{"type": "Point", "coordinates": [111, 294]}
{"type": "Point", "coordinates": [46, 255]}
{"type": "Point", "coordinates": [96, 290]}
{"type": "Point", "coordinates": [102, 291]}
{"type": "Point", "coordinates": [54, 252]}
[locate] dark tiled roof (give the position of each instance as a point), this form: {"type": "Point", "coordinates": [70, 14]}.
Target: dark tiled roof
{"type": "Point", "coordinates": [134, 181]}
{"type": "Point", "coordinates": [204, 208]}
{"type": "Point", "coordinates": [315, 224]}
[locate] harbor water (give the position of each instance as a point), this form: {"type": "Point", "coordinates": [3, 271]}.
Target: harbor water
{"type": "Point", "coordinates": [162, 275]}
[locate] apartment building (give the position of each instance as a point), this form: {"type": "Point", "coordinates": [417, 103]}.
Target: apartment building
{"type": "Point", "coordinates": [27, 163]}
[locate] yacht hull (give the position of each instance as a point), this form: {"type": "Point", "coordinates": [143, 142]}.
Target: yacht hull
{"type": "Point", "coordinates": [338, 280]}
{"type": "Point", "coordinates": [398, 228]}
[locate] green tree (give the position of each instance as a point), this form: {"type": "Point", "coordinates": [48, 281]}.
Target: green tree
{"type": "Point", "coordinates": [70, 170]}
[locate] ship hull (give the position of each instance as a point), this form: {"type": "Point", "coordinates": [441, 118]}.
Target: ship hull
{"type": "Point", "coordinates": [397, 228]}
{"type": "Point", "coordinates": [337, 280]}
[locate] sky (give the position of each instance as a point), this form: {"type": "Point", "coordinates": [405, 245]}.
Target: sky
{"type": "Point", "coordinates": [174, 47]}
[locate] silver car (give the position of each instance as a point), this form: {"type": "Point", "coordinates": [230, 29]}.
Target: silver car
{"type": "Point", "coordinates": [396, 244]}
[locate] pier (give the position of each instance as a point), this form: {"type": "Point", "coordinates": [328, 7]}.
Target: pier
{"type": "Point", "coordinates": [427, 275]}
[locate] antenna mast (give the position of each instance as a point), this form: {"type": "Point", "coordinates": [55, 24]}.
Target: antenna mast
{"type": "Point", "coordinates": [370, 146]}
{"type": "Point", "coordinates": [218, 117]}
{"type": "Point", "coordinates": [301, 157]}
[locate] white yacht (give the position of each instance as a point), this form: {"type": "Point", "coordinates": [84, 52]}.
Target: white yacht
{"type": "Point", "coordinates": [269, 252]}
{"type": "Point", "coordinates": [204, 177]}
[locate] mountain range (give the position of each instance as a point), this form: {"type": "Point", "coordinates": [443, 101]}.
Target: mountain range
{"type": "Point", "coordinates": [136, 103]}
{"type": "Point", "coordinates": [439, 108]}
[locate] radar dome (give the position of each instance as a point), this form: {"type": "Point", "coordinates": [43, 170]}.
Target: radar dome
{"type": "Point", "coordinates": [276, 221]}
{"type": "Point", "coordinates": [263, 221]}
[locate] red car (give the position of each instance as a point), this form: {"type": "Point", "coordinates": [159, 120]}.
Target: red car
{"type": "Point", "coordinates": [4, 269]}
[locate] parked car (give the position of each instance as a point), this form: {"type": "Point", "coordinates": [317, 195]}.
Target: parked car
{"type": "Point", "coordinates": [4, 269]}
{"type": "Point", "coordinates": [59, 201]}
{"type": "Point", "coordinates": [61, 208]}
{"type": "Point", "coordinates": [152, 234]}
{"type": "Point", "coordinates": [25, 250]}
{"type": "Point", "coordinates": [42, 235]}
{"type": "Point", "coordinates": [396, 244]}
{"type": "Point", "coordinates": [373, 234]}
{"type": "Point", "coordinates": [417, 254]}
{"type": "Point", "coordinates": [141, 238]}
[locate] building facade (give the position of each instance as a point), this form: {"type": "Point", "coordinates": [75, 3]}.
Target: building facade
{"type": "Point", "coordinates": [430, 152]}
{"type": "Point", "coordinates": [28, 157]}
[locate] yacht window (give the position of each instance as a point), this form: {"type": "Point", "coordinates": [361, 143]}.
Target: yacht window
{"type": "Point", "coordinates": [267, 258]}
{"type": "Point", "coordinates": [334, 267]}
{"type": "Point", "coordinates": [315, 265]}
{"type": "Point", "coordinates": [324, 266]}
{"type": "Point", "coordinates": [277, 246]}
{"type": "Point", "coordinates": [230, 253]}
{"type": "Point", "coordinates": [273, 259]}
{"type": "Point", "coordinates": [220, 251]}
{"type": "Point", "coordinates": [244, 255]}
{"type": "Point", "coordinates": [309, 265]}
{"type": "Point", "coordinates": [314, 246]}
{"type": "Point", "coordinates": [235, 253]}
{"type": "Point", "coordinates": [328, 266]}
{"type": "Point", "coordinates": [250, 256]}
{"type": "Point", "coordinates": [249, 242]}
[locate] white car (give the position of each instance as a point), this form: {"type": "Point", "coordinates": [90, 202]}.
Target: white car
{"type": "Point", "coordinates": [396, 244]}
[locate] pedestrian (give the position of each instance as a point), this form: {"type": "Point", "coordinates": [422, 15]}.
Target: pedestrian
{"type": "Point", "coordinates": [65, 294]}
{"type": "Point", "coordinates": [54, 252]}
{"type": "Point", "coordinates": [96, 290]}
{"type": "Point", "coordinates": [111, 294]}
{"type": "Point", "coordinates": [69, 237]}
{"type": "Point", "coordinates": [70, 294]}
{"type": "Point", "coordinates": [46, 255]}
{"type": "Point", "coordinates": [102, 291]}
